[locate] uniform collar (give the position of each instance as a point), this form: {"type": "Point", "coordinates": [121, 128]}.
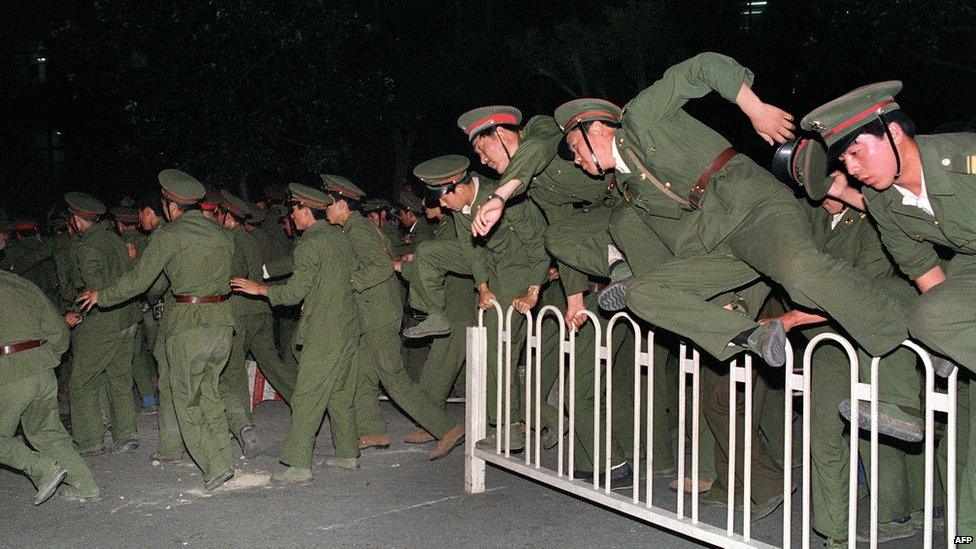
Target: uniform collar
{"type": "Point", "coordinates": [618, 160]}
{"type": "Point", "coordinates": [466, 210]}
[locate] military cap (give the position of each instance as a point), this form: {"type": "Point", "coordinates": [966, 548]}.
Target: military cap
{"type": "Point", "coordinates": [571, 113]}
{"type": "Point", "coordinates": [336, 184]}
{"type": "Point", "coordinates": [212, 198]}
{"type": "Point", "coordinates": [236, 206]}
{"type": "Point", "coordinates": [56, 223]}
{"type": "Point", "coordinates": [257, 214]}
{"type": "Point", "coordinates": [25, 225]}
{"type": "Point", "coordinates": [804, 161]}
{"type": "Point", "coordinates": [83, 205]}
{"type": "Point", "coordinates": [278, 211]}
{"type": "Point", "coordinates": [442, 174]}
{"type": "Point", "coordinates": [275, 193]}
{"type": "Point", "coordinates": [409, 201]}
{"type": "Point", "coordinates": [375, 204]}
{"type": "Point", "coordinates": [482, 118]}
{"type": "Point", "coordinates": [845, 115]}
{"type": "Point", "coordinates": [181, 187]}
{"type": "Point", "coordinates": [125, 214]}
{"type": "Point", "coordinates": [308, 197]}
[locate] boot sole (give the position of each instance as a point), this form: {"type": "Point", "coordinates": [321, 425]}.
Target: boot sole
{"type": "Point", "coordinates": [429, 333]}
{"type": "Point", "coordinates": [614, 296]}
{"type": "Point", "coordinates": [886, 425]}
{"type": "Point", "coordinates": [48, 489]}
{"type": "Point", "coordinates": [774, 350]}
{"type": "Point", "coordinates": [251, 447]}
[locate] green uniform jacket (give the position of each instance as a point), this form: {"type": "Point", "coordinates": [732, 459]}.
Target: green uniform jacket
{"type": "Point", "coordinates": [195, 254]}
{"type": "Point", "coordinates": [520, 233]}
{"type": "Point", "coordinates": [247, 264]}
{"type": "Point", "coordinates": [26, 314]}
{"type": "Point", "coordinates": [32, 259]}
{"type": "Point", "coordinates": [321, 278]}
{"type": "Point", "coordinates": [102, 259]}
{"type": "Point", "coordinates": [909, 233]}
{"type": "Point", "coordinates": [137, 238]}
{"type": "Point", "coordinates": [677, 148]}
{"type": "Point", "coordinates": [66, 270]}
{"type": "Point", "coordinates": [377, 290]}
{"type": "Point", "coordinates": [421, 231]}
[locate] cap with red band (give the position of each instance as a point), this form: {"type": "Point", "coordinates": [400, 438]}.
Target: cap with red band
{"type": "Point", "coordinates": [571, 113]}
{"type": "Point", "coordinates": [181, 187]}
{"type": "Point", "coordinates": [845, 115]}
{"type": "Point", "coordinates": [84, 205]}
{"type": "Point", "coordinates": [482, 118]}
{"type": "Point", "coordinates": [337, 184]}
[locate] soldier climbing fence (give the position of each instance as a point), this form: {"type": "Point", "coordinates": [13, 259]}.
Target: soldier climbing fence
{"type": "Point", "coordinates": [599, 491]}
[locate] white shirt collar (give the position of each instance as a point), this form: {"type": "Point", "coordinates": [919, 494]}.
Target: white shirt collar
{"type": "Point", "coordinates": [835, 219]}
{"type": "Point", "coordinates": [908, 198]}
{"type": "Point", "coordinates": [618, 161]}
{"type": "Point", "coordinates": [466, 210]}
{"type": "Point", "coordinates": [414, 226]}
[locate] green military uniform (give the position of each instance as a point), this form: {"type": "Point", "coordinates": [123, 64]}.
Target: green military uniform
{"type": "Point", "coordinates": [389, 229]}
{"type": "Point", "coordinates": [31, 258]}
{"type": "Point", "coordinates": [378, 298]}
{"type": "Point", "coordinates": [942, 318]}
{"type": "Point", "coordinates": [509, 260]}
{"type": "Point", "coordinates": [414, 351]}
{"type": "Point", "coordinates": [743, 222]}
{"type": "Point", "coordinates": [105, 341]}
{"type": "Point", "coordinates": [446, 356]}
{"type": "Point", "coordinates": [66, 272]}
{"type": "Point", "coordinates": [195, 338]}
{"type": "Point", "coordinates": [277, 248]}
{"type": "Point", "coordinates": [326, 340]}
{"type": "Point", "coordinates": [28, 389]}
{"type": "Point", "coordinates": [576, 206]}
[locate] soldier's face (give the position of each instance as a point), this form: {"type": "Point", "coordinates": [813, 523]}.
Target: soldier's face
{"type": "Point", "coordinates": [491, 152]}
{"type": "Point", "coordinates": [147, 219]}
{"type": "Point", "coordinates": [600, 139]}
{"type": "Point", "coordinates": [453, 200]}
{"type": "Point", "coordinates": [376, 218]}
{"type": "Point", "coordinates": [432, 212]}
{"type": "Point", "coordinates": [833, 206]}
{"type": "Point", "coordinates": [871, 159]}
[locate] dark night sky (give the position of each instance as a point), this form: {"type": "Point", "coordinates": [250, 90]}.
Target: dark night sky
{"type": "Point", "coordinates": [245, 93]}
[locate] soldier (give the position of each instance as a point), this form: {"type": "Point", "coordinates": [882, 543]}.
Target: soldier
{"type": "Point", "coordinates": [198, 324]}
{"type": "Point", "coordinates": [377, 210]}
{"type": "Point", "coordinates": [32, 338]}
{"type": "Point", "coordinates": [105, 341]}
{"type": "Point", "coordinates": [725, 219]}
{"type": "Point", "coordinates": [31, 256]}
{"type": "Point", "coordinates": [411, 214]}
{"type": "Point", "coordinates": [143, 365]}
{"type": "Point", "coordinates": [509, 266]}
{"type": "Point", "coordinates": [327, 337]}
{"type": "Point", "coordinates": [380, 307]}
{"type": "Point", "coordinates": [918, 189]}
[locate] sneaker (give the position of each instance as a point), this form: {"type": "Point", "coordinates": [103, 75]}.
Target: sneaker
{"type": "Point", "coordinates": [93, 451]}
{"type": "Point", "coordinates": [943, 367]}
{"type": "Point", "coordinates": [47, 486]}
{"type": "Point", "coordinates": [887, 531]}
{"type": "Point", "coordinates": [614, 296]}
{"type": "Point", "coordinates": [293, 475]}
{"type": "Point", "coordinates": [349, 464]}
{"type": "Point", "coordinates": [219, 480]}
{"type": "Point", "coordinates": [435, 324]}
{"type": "Point", "coordinates": [126, 446]}
{"type": "Point", "coordinates": [895, 421]}
{"type": "Point", "coordinates": [769, 341]}
{"type": "Point", "coordinates": [149, 405]}
{"type": "Point", "coordinates": [70, 493]}
{"type": "Point", "coordinates": [176, 458]}
{"type": "Point", "coordinates": [488, 443]}
{"type": "Point", "coordinates": [250, 444]}
{"type": "Point", "coordinates": [938, 518]}
{"type": "Point", "coordinates": [621, 476]}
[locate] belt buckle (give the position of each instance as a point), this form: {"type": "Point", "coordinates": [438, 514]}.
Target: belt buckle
{"type": "Point", "coordinates": [695, 197]}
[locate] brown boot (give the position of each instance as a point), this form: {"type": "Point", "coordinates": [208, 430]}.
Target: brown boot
{"type": "Point", "coordinates": [420, 436]}
{"type": "Point", "coordinates": [374, 441]}
{"type": "Point", "coordinates": [703, 485]}
{"type": "Point", "coordinates": [447, 443]}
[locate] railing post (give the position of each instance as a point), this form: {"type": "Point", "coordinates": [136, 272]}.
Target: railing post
{"type": "Point", "coordinates": [475, 416]}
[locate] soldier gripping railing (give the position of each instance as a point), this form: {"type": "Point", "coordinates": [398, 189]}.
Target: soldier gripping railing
{"type": "Point", "coordinates": [798, 384]}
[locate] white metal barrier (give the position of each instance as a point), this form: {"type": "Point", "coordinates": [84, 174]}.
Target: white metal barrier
{"type": "Point", "coordinates": [562, 477]}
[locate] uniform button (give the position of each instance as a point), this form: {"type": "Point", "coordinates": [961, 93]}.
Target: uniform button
{"type": "Point", "coordinates": [643, 176]}
{"type": "Point", "coordinates": [946, 161]}
{"type": "Point", "coordinates": [653, 149]}
{"type": "Point", "coordinates": [936, 222]}
{"type": "Point", "coordinates": [620, 141]}
{"type": "Point", "coordinates": [667, 185]}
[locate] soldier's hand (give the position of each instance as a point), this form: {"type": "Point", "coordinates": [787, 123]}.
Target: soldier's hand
{"type": "Point", "coordinates": [485, 297]}
{"type": "Point", "coordinates": [87, 299]}
{"type": "Point", "coordinates": [406, 258]}
{"type": "Point", "coordinates": [488, 214]}
{"type": "Point", "coordinates": [250, 287]}
{"type": "Point", "coordinates": [133, 252]}
{"type": "Point", "coordinates": [574, 312]}
{"type": "Point", "coordinates": [525, 302]}
{"type": "Point", "coordinates": [398, 265]}
{"type": "Point", "coordinates": [773, 124]}
{"type": "Point", "coordinates": [72, 319]}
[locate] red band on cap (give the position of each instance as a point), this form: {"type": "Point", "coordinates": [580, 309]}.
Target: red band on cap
{"type": "Point", "coordinates": [207, 206]}
{"type": "Point", "coordinates": [590, 114]}
{"type": "Point", "coordinates": [494, 119]}
{"type": "Point", "coordinates": [177, 198]}
{"type": "Point", "coordinates": [857, 118]}
{"type": "Point", "coordinates": [25, 227]}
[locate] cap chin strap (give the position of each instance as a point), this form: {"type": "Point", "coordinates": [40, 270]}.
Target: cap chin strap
{"type": "Point", "coordinates": [894, 149]}
{"type": "Point", "coordinates": [599, 169]}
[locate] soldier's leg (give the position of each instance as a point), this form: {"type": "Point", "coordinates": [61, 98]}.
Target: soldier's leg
{"type": "Point", "coordinates": [196, 358]}
{"type": "Point", "coordinates": [495, 369]}
{"type": "Point", "coordinates": [944, 318]}
{"type": "Point", "coordinates": [315, 386]}
{"type": "Point", "coordinates": [642, 249]}
{"type": "Point", "coordinates": [552, 295]}
{"type": "Point", "coordinates": [622, 389]}
{"type": "Point", "coordinates": [87, 428]}
{"type": "Point", "coordinates": [579, 243]}
{"type": "Point", "coordinates": [341, 405]}
{"type": "Point", "coordinates": [143, 368]}
{"type": "Point", "coordinates": [17, 397]}
{"type": "Point", "coordinates": [447, 354]}
{"type": "Point", "coordinates": [287, 319]}
{"type": "Point", "coordinates": [43, 429]}
{"type": "Point", "coordinates": [281, 376]}
{"type": "Point", "coordinates": [433, 260]}
{"type": "Point", "coordinates": [170, 439]}
{"type": "Point", "coordinates": [233, 382]}
{"type": "Point", "coordinates": [965, 457]}
{"type": "Point", "coordinates": [405, 392]}
{"type": "Point", "coordinates": [369, 418]}
{"type": "Point", "coordinates": [118, 374]}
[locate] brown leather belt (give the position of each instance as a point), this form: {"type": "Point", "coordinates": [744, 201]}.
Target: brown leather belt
{"type": "Point", "coordinates": [194, 299]}
{"type": "Point", "coordinates": [18, 347]}
{"type": "Point", "coordinates": [698, 191]}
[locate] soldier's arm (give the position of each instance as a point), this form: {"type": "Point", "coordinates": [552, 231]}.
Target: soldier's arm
{"type": "Point", "coordinates": [93, 267]}
{"type": "Point", "coordinates": [534, 153]}
{"type": "Point", "coordinates": [375, 267]}
{"type": "Point", "coordinates": [53, 328]}
{"type": "Point", "coordinates": [159, 251]}
{"type": "Point", "coordinates": [280, 267]}
{"type": "Point", "coordinates": [62, 270]}
{"type": "Point", "coordinates": [915, 258]}
{"type": "Point", "coordinates": [477, 256]}
{"type": "Point", "coordinates": [294, 290]}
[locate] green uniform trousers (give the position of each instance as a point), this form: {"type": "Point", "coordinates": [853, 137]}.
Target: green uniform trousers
{"type": "Point", "coordinates": [195, 359]}
{"type": "Point", "coordinates": [102, 361]}
{"type": "Point", "coordinates": [32, 403]}
{"type": "Point", "coordinates": [830, 443]}
{"type": "Point", "coordinates": [324, 384]}
{"type": "Point", "coordinates": [965, 457]}
{"type": "Point", "coordinates": [580, 241]}
{"type": "Point", "coordinates": [447, 354]}
{"type": "Point", "coordinates": [774, 240]}
{"type": "Point", "coordinates": [380, 362]}
{"type": "Point", "coordinates": [507, 279]}
{"type": "Point", "coordinates": [944, 318]}
{"type": "Point", "coordinates": [170, 439]}
{"type": "Point", "coordinates": [143, 365]}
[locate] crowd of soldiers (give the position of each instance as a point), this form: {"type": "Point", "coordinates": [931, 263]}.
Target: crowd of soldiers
{"type": "Point", "coordinates": [594, 209]}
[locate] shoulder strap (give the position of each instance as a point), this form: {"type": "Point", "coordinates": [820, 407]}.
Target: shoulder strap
{"type": "Point", "coordinates": [646, 174]}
